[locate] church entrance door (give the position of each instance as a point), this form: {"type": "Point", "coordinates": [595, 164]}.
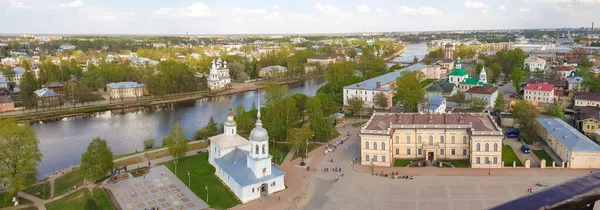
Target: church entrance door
{"type": "Point", "coordinates": [264, 189]}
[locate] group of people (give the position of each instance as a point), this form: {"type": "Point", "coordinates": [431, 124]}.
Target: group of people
{"type": "Point", "coordinates": [393, 175]}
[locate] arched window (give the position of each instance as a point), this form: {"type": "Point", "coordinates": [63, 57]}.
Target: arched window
{"type": "Point", "coordinates": [464, 139]}
{"type": "Point", "coordinates": [264, 149]}
{"type": "Point", "coordinates": [256, 150]}
{"type": "Point", "coordinates": [487, 147]}
{"type": "Point", "coordinates": [430, 140]}
{"type": "Point", "coordinates": [366, 145]}
{"type": "Point", "coordinates": [442, 140]}
{"type": "Point", "coordinates": [382, 145]}
{"type": "Point", "coordinates": [397, 139]}
{"type": "Point", "coordinates": [495, 160]}
{"type": "Point", "coordinates": [495, 147]}
{"type": "Point", "coordinates": [478, 147]}
{"type": "Point", "coordinates": [408, 139]}
{"type": "Point", "coordinates": [453, 140]}
{"type": "Point", "coordinates": [419, 139]}
{"type": "Point", "coordinates": [374, 145]}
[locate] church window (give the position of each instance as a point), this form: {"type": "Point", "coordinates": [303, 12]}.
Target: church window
{"type": "Point", "coordinates": [273, 184]}
{"type": "Point", "coordinates": [374, 145]}
{"type": "Point", "coordinates": [263, 149]}
{"type": "Point", "coordinates": [495, 160]}
{"type": "Point", "coordinates": [252, 190]}
{"type": "Point", "coordinates": [264, 171]}
{"type": "Point", "coordinates": [366, 145]}
{"type": "Point", "coordinates": [382, 145]}
{"type": "Point", "coordinates": [256, 150]}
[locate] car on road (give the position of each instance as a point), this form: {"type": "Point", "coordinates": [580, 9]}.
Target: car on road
{"type": "Point", "coordinates": [512, 133]}
{"type": "Point", "coordinates": [525, 148]}
{"type": "Point", "coordinates": [501, 84]}
{"type": "Point", "coordinates": [512, 96]}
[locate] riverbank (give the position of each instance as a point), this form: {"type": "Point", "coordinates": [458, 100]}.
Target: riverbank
{"type": "Point", "coordinates": [52, 115]}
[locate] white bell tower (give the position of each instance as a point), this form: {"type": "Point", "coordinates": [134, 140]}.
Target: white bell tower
{"type": "Point", "coordinates": [259, 159]}
{"type": "Point", "coordinates": [483, 75]}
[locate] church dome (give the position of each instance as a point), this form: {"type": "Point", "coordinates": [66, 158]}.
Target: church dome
{"type": "Point", "coordinates": [259, 134]}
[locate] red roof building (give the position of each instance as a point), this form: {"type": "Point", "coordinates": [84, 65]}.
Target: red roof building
{"type": "Point", "coordinates": [539, 92]}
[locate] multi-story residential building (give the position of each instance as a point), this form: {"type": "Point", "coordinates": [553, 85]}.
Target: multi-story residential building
{"type": "Point", "coordinates": [18, 73]}
{"type": "Point", "coordinates": [472, 136]}
{"type": "Point", "coordinates": [6, 104]}
{"type": "Point", "coordinates": [573, 148]}
{"type": "Point", "coordinates": [272, 71]}
{"type": "Point", "coordinates": [535, 63]}
{"type": "Point", "coordinates": [586, 99]}
{"type": "Point", "coordinates": [575, 84]}
{"type": "Point", "coordinates": [539, 92]}
{"type": "Point", "coordinates": [3, 82]}
{"type": "Point", "coordinates": [47, 97]}
{"type": "Point", "coordinates": [366, 90]}
{"type": "Point", "coordinates": [488, 93]}
{"type": "Point", "coordinates": [588, 120]}
{"type": "Point", "coordinates": [125, 90]}
{"type": "Point", "coordinates": [323, 60]}
{"type": "Point", "coordinates": [564, 70]}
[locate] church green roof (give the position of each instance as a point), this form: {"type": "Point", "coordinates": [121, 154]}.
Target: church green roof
{"type": "Point", "coordinates": [434, 88]}
{"type": "Point", "coordinates": [472, 81]}
{"type": "Point", "coordinates": [459, 72]}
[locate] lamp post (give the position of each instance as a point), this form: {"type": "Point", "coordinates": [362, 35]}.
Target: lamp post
{"type": "Point", "coordinates": [175, 162]}
{"type": "Point", "coordinates": [189, 180]}
{"type": "Point", "coordinates": [206, 187]}
{"type": "Point", "coordinates": [489, 167]}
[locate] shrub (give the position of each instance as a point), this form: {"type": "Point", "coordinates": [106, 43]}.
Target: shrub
{"type": "Point", "coordinates": [148, 143]}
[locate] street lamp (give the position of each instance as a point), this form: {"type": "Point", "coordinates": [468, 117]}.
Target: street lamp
{"type": "Point", "coordinates": [206, 187]}
{"type": "Point", "coordinates": [489, 167]}
{"type": "Point", "coordinates": [189, 180]}
{"type": "Point", "coordinates": [175, 162]}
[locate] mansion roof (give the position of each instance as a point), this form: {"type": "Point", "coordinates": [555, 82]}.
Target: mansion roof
{"type": "Point", "coordinates": [485, 89]}
{"type": "Point", "coordinates": [477, 121]}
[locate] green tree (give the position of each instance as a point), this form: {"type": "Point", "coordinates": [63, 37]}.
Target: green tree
{"type": "Point", "coordinates": [355, 104]}
{"type": "Point", "coordinates": [555, 111]}
{"type": "Point", "coordinates": [477, 104]}
{"type": "Point", "coordinates": [495, 69]}
{"type": "Point", "coordinates": [585, 62]}
{"type": "Point", "coordinates": [211, 129]}
{"type": "Point", "coordinates": [148, 143]}
{"type": "Point", "coordinates": [499, 103]}
{"type": "Point", "coordinates": [245, 120]}
{"type": "Point", "coordinates": [436, 54]}
{"type": "Point", "coordinates": [319, 121]}
{"type": "Point", "coordinates": [299, 138]}
{"type": "Point", "coordinates": [176, 141]}
{"type": "Point", "coordinates": [512, 59]}
{"type": "Point", "coordinates": [538, 73]}
{"type": "Point", "coordinates": [478, 68]}
{"type": "Point", "coordinates": [97, 161]}
{"type": "Point", "coordinates": [461, 98]}
{"type": "Point", "coordinates": [518, 77]}
{"type": "Point", "coordinates": [408, 90]}
{"type": "Point", "coordinates": [19, 155]}
{"type": "Point", "coordinates": [415, 60]}
{"type": "Point", "coordinates": [381, 100]}
{"type": "Point", "coordinates": [525, 114]}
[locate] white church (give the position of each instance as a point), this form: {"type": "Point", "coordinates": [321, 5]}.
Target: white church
{"type": "Point", "coordinates": [218, 76]}
{"type": "Point", "coordinates": [245, 165]}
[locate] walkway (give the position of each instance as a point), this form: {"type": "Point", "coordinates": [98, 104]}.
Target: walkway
{"type": "Point", "coordinates": [516, 145]}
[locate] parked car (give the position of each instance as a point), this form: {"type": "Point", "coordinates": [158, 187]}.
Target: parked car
{"type": "Point", "coordinates": [512, 96]}
{"type": "Point", "coordinates": [512, 133]}
{"type": "Point", "coordinates": [501, 84]}
{"type": "Point", "coordinates": [525, 148]}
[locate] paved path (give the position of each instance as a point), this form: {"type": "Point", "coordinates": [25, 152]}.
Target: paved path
{"type": "Point", "coordinates": [516, 145]}
{"type": "Point", "coordinates": [38, 202]}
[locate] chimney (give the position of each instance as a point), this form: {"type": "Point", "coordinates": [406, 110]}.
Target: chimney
{"type": "Point", "coordinates": [378, 85]}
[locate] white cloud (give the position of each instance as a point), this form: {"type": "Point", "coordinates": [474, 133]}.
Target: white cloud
{"type": "Point", "coordinates": [567, 1]}
{"type": "Point", "coordinates": [197, 9]}
{"type": "Point", "coordinates": [103, 17]}
{"type": "Point", "coordinates": [523, 10]}
{"type": "Point", "coordinates": [568, 9]}
{"type": "Point", "coordinates": [484, 11]}
{"type": "Point", "coordinates": [19, 5]}
{"type": "Point", "coordinates": [363, 9]}
{"type": "Point", "coordinates": [74, 4]}
{"type": "Point", "coordinates": [476, 5]}
{"type": "Point", "coordinates": [110, 16]}
{"type": "Point", "coordinates": [502, 7]}
{"type": "Point", "coordinates": [257, 11]}
{"type": "Point", "coordinates": [325, 7]}
{"type": "Point", "coordinates": [378, 10]}
{"type": "Point", "coordinates": [275, 6]}
{"type": "Point", "coordinates": [424, 11]}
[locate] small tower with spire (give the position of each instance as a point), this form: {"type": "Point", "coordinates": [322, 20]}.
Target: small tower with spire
{"type": "Point", "coordinates": [458, 63]}
{"type": "Point", "coordinates": [230, 126]}
{"type": "Point", "coordinates": [483, 76]}
{"type": "Point", "coordinates": [259, 159]}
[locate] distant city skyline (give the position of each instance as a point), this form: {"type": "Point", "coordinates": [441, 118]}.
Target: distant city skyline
{"type": "Point", "coordinates": [288, 17]}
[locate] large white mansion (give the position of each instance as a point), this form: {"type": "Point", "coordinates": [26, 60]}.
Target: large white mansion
{"type": "Point", "coordinates": [472, 136]}
{"type": "Point", "coordinates": [245, 166]}
{"type": "Point", "coordinates": [218, 77]}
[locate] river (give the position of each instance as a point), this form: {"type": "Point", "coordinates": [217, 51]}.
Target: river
{"type": "Point", "coordinates": [410, 51]}
{"type": "Point", "coordinates": [62, 142]}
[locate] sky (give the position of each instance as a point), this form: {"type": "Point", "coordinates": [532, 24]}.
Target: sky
{"type": "Point", "coordinates": [288, 16]}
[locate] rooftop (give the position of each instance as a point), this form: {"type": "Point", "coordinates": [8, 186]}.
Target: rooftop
{"type": "Point", "coordinates": [472, 81]}
{"type": "Point", "coordinates": [587, 112]}
{"type": "Point", "coordinates": [45, 92]}
{"type": "Point", "coordinates": [227, 141]}
{"type": "Point", "coordinates": [271, 68]}
{"type": "Point", "coordinates": [544, 86]}
{"type": "Point", "coordinates": [575, 80]}
{"type": "Point", "coordinates": [459, 72]}
{"type": "Point", "coordinates": [383, 121]}
{"type": "Point", "coordinates": [235, 164]}
{"type": "Point", "coordinates": [485, 89]}
{"type": "Point", "coordinates": [567, 135]}
{"type": "Point", "coordinates": [587, 96]}
{"type": "Point", "coordinates": [120, 85]}
{"type": "Point", "coordinates": [6, 99]}
{"type": "Point", "coordinates": [534, 58]}
{"type": "Point", "coordinates": [564, 68]}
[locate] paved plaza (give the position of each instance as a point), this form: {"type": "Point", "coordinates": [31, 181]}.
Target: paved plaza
{"type": "Point", "coordinates": [166, 192]}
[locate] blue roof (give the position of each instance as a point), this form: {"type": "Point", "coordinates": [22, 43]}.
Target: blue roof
{"type": "Point", "coordinates": [3, 79]}
{"type": "Point", "coordinates": [19, 70]}
{"type": "Point", "coordinates": [271, 68]}
{"type": "Point", "coordinates": [574, 80]}
{"type": "Point", "coordinates": [567, 135]}
{"type": "Point", "coordinates": [371, 84]}
{"type": "Point", "coordinates": [435, 102]}
{"type": "Point", "coordinates": [45, 92]}
{"type": "Point", "coordinates": [119, 85]}
{"type": "Point", "coordinates": [234, 164]}
{"type": "Point", "coordinates": [338, 115]}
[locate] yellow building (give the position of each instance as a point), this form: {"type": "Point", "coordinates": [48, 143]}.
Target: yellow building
{"type": "Point", "coordinates": [589, 120]}
{"type": "Point", "coordinates": [573, 148]}
{"type": "Point", "coordinates": [471, 136]}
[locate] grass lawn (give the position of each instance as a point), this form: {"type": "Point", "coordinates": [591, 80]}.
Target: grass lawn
{"type": "Point", "coordinates": [402, 162]}
{"type": "Point", "coordinates": [541, 154]}
{"type": "Point", "coordinates": [509, 155]}
{"type": "Point", "coordinates": [459, 163]}
{"type": "Point", "coordinates": [279, 150]}
{"type": "Point", "coordinates": [128, 161]}
{"type": "Point", "coordinates": [82, 199]}
{"type": "Point", "coordinates": [203, 175]}
{"type": "Point", "coordinates": [195, 145]}
{"type": "Point", "coordinates": [66, 182]}
{"type": "Point", "coordinates": [311, 147]}
{"type": "Point", "coordinates": [427, 82]}
{"type": "Point", "coordinates": [6, 201]}
{"type": "Point", "coordinates": [39, 190]}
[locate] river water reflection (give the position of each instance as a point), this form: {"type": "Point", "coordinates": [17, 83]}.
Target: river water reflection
{"type": "Point", "coordinates": [62, 142]}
